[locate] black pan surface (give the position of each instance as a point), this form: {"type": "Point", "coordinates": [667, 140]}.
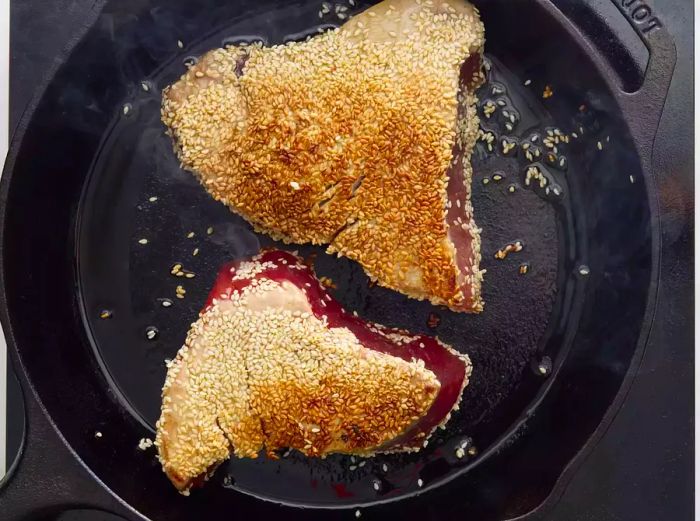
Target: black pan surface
{"type": "Point", "coordinates": [542, 350]}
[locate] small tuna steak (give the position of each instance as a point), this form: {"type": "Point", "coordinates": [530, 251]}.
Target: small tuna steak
{"type": "Point", "coordinates": [275, 362]}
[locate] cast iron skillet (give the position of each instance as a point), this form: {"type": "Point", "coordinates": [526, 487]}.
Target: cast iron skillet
{"type": "Point", "coordinates": [554, 352]}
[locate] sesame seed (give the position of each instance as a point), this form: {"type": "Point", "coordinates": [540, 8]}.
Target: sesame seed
{"type": "Point", "coordinates": [180, 44]}
{"type": "Point", "coordinates": [528, 82]}
{"type": "Point", "coordinates": [195, 252]}
{"type": "Point", "coordinates": [358, 513]}
{"type": "Point", "coordinates": [420, 482]}
{"type": "Point", "coordinates": [98, 434]}
{"type": "Point", "coordinates": [152, 199]}
{"type": "Point", "coordinates": [190, 235]}
{"type": "Point", "coordinates": [143, 241]}
{"type": "Point", "coordinates": [210, 230]}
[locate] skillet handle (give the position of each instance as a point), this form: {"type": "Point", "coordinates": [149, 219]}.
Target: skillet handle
{"type": "Point", "coordinates": [641, 108]}
{"type": "Point", "coordinates": [47, 477]}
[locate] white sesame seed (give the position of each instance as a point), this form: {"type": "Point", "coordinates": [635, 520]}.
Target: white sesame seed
{"type": "Point", "coordinates": [420, 482]}
{"type": "Point", "coordinates": [143, 241]}
{"type": "Point", "coordinates": [152, 199]}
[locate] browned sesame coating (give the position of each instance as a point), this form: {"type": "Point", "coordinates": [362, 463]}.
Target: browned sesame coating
{"type": "Point", "coordinates": [260, 370]}
{"type": "Point", "coordinates": [347, 140]}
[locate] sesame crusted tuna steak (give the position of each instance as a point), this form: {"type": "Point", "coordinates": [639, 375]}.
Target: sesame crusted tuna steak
{"type": "Point", "coordinates": [359, 138]}
{"type": "Point", "coordinates": [274, 362]}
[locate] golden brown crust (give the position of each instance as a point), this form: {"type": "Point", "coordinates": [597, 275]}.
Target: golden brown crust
{"type": "Point", "coordinates": [343, 140]}
{"type": "Point", "coordinates": [252, 376]}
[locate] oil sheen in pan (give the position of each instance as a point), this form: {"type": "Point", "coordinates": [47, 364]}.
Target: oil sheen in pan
{"type": "Point", "coordinates": [162, 238]}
